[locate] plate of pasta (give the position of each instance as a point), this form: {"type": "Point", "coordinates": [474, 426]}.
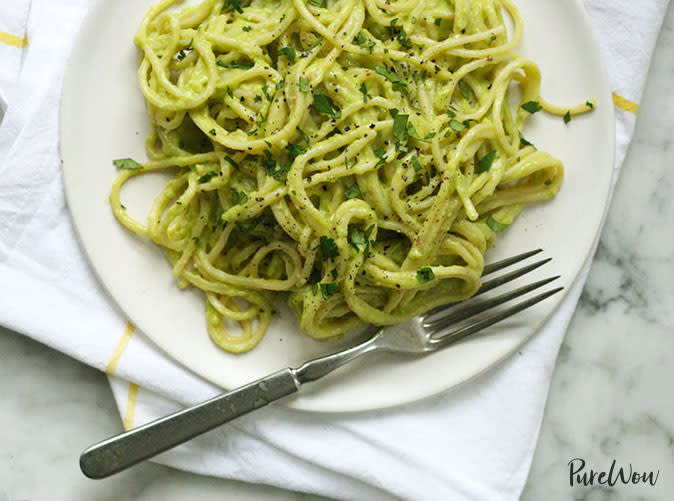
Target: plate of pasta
{"type": "Point", "coordinates": [256, 181]}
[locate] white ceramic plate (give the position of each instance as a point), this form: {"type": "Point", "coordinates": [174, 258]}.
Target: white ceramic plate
{"type": "Point", "coordinates": [103, 117]}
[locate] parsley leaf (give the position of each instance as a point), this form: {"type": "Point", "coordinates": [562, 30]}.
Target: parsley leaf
{"type": "Point", "coordinates": [295, 150]}
{"type": "Point", "coordinates": [532, 107]}
{"type": "Point", "coordinates": [288, 52]}
{"type": "Point", "coordinates": [524, 142]}
{"type": "Point", "coordinates": [398, 84]}
{"type": "Point", "coordinates": [232, 162]}
{"type": "Point", "coordinates": [352, 191]}
{"type": "Point", "coordinates": [304, 135]}
{"type": "Point", "coordinates": [239, 197]}
{"type": "Point", "coordinates": [273, 170]}
{"type": "Point", "coordinates": [328, 247]}
{"type": "Point", "coordinates": [362, 41]}
{"type": "Point", "coordinates": [425, 275]}
{"type": "Point", "coordinates": [363, 91]}
{"type": "Point", "coordinates": [127, 164]}
{"type": "Point", "coordinates": [380, 154]}
{"type": "Point", "coordinates": [415, 164]}
{"type": "Point", "coordinates": [589, 104]}
{"type": "Point", "coordinates": [207, 177]}
{"type": "Point", "coordinates": [403, 40]}
{"type": "Point", "coordinates": [567, 117]}
{"type": "Point", "coordinates": [359, 238]}
{"type": "Point", "coordinates": [438, 21]}
{"type": "Point", "coordinates": [323, 105]}
{"type": "Point", "coordinates": [466, 91]}
{"type": "Point", "coordinates": [317, 3]}
{"type": "Point", "coordinates": [328, 290]}
{"type": "Point", "coordinates": [230, 5]}
{"type": "Point", "coordinates": [400, 130]}
{"type": "Point", "coordinates": [235, 65]}
{"type": "Point", "coordinates": [485, 162]}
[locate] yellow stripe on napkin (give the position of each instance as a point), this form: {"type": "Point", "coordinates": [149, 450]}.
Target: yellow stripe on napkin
{"type": "Point", "coordinates": [121, 346]}
{"type": "Point", "coordinates": [625, 104]}
{"type": "Point", "coordinates": [9, 39]}
{"type": "Point", "coordinates": [130, 410]}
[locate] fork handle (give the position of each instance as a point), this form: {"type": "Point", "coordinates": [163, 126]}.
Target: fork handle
{"type": "Point", "coordinates": [127, 449]}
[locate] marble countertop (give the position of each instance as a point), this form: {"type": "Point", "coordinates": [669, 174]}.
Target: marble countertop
{"type": "Point", "coordinates": [611, 396]}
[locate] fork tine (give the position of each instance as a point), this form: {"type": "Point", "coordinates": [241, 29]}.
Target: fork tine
{"type": "Point", "coordinates": [509, 277]}
{"type": "Point", "coordinates": [453, 316]}
{"type": "Point", "coordinates": [491, 268]}
{"type": "Point", "coordinates": [451, 338]}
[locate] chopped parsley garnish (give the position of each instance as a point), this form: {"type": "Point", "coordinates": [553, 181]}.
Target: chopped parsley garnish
{"type": "Point", "coordinates": [328, 290]}
{"type": "Point", "coordinates": [246, 28]}
{"type": "Point", "coordinates": [532, 107]}
{"type": "Point", "coordinates": [548, 182]}
{"type": "Point", "coordinates": [230, 5]}
{"type": "Point", "coordinates": [352, 191]}
{"type": "Point", "coordinates": [362, 41]}
{"type": "Point", "coordinates": [207, 177]}
{"type": "Point", "coordinates": [212, 132]}
{"type": "Point", "coordinates": [524, 142]}
{"type": "Point", "coordinates": [403, 40]}
{"type": "Point", "coordinates": [323, 105]}
{"type": "Point", "coordinates": [239, 197]}
{"type": "Point", "coordinates": [317, 3]}
{"type": "Point", "coordinates": [495, 226]}
{"type": "Point", "coordinates": [363, 91]}
{"type": "Point", "coordinates": [235, 65]}
{"type": "Point", "coordinates": [415, 164]}
{"type": "Point", "coordinates": [400, 130]}
{"type": "Point", "coordinates": [328, 247]}
{"type": "Point", "coordinates": [484, 164]}
{"type": "Point", "coordinates": [232, 162]}
{"type": "Point", "coordinates": [381, 155]}
{"type": "Point", "coordinates": [295, 149]}
{"type": "Point", "coordinates": [466, 91]}
{"type": "Point", "coordinates": [280, 84]}
{"type": "Point", "coordinates": [304, 135]}
{"type": "Point", "coordinates": [567, 117]}
{"type": "Point", "coordinates": [288, 52]}
{"type": "Point", "coordinates": [438, 21]}
{"type": "Point", "coordinates": [361, 239]}
{"type": "Point", "coordinates": [425, 275]}
{"type": "Point", "coordinates": [589, 104]}
{"type": "Point", "coordinates": [273, 170]}
{"type": "Point", "coordinates": [398, 84]}
{"type": "Point", "coordinates": [127, 164]}
{"type": "Point", "coordinates": [304, 84]}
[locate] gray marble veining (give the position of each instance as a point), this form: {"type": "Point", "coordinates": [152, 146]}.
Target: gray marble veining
{"type": "Point", "coordinates": [612, 395]}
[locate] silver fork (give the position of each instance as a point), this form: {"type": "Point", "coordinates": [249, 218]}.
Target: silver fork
{"type": "Point", "coordinates": [421, 335]}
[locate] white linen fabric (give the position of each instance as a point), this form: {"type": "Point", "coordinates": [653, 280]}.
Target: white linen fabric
{"type": "Point", "coordinates": [474, 442]}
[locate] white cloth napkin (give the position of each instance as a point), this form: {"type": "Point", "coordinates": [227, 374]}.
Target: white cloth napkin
{"type": "Point", "coordinates": [475, 442]}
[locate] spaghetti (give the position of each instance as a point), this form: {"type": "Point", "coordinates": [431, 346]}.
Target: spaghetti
{"type": "Point", "coordinates": [358, 155]}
